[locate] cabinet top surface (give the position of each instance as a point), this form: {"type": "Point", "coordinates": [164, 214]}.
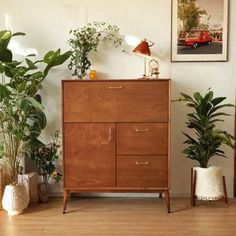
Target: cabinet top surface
{"type": "Point", "coordinates": [117, 80]}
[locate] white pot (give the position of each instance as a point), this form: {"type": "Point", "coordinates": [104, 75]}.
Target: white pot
{"type": "Point", "coordinates": [15, 199]}
{"type": "Point", "coordinates": [209, 183]}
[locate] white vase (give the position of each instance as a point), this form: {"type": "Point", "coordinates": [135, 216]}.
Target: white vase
{"type": "Point", "coordinates": [209, 183]}
{"type": "Point", "coordinates": [15, 199]}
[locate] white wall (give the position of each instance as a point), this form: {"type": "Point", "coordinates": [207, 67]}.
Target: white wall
{"type": "Point", "coordinates": [47, 23]}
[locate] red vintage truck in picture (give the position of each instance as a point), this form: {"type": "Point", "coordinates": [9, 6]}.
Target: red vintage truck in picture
{"type": "Point", "coordinates": [194, 38]}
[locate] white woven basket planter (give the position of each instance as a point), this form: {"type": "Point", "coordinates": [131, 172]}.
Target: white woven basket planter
{"type": "Point", "coordinates": [209, 183]}
{"type": "Point", "coordinates": [15, 199]}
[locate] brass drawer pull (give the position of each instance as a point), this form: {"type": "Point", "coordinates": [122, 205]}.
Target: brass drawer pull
{"type": "Point", "coordinates": [142, 163]}
{"type": "Point", "coordinates": [110, 134]}
{"type": "Point", "coordinates": [142, 130]}
{"type": "Point", "coordinates": [115, 87]}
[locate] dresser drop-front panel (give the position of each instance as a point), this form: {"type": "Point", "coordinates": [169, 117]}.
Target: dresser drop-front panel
{"type": "Point", "coordinates": [116, 135]}
{"type": "Point", "coordinates": [116, 101]}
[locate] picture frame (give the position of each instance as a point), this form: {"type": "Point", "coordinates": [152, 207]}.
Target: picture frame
{"type": "Point", "coordinates": [202, 36]}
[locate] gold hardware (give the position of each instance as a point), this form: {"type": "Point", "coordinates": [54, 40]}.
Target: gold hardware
{"type": "Point", "coordinates": [143, 163]}
{"type": "Point", "coordinates": [110, 134]}
{"type": "Point", "coordinates": [142, 130]}
{"type": "Point", "coordinates": [115, 87]}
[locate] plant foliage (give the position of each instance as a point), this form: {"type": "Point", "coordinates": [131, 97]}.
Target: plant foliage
{"type": "Point", "coordinates": [189, 14]}
{"type": "Point", "coordinates": [45, 155]}
{"type": "Point", "coordinates": [207, 139]}
{"type": "Point", "coordinates": [86, 40]}
{"type": "Point", "coordinates": [21, 111]}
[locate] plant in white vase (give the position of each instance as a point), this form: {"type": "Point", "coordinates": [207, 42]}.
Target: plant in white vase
{"type": "Point", "coordinates": [21, 112]}
{"type": "Point", "coordinates": [205, 141]}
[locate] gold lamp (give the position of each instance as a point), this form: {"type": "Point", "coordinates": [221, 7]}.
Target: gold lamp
{"type": "Point", "coordinates": [143, 49]}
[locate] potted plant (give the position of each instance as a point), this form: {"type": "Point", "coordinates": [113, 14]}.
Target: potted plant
{"type": "Point", "coordinates": [205, 142]}
{"type": "Point", "coordinates": [85, 40]}
{"type": "Point", "coordinates": [45, 156]}
{"type": "Point", "coordinates": [21, 112]}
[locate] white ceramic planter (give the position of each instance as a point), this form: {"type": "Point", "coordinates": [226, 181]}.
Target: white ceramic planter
{"type": "Point", "coordinates": [209, 183]}
{"type": "Point", "coordinates": [15, 199]}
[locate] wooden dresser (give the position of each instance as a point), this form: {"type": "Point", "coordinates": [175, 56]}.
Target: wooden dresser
{"type": "Point", "coordinates": [116, 136]}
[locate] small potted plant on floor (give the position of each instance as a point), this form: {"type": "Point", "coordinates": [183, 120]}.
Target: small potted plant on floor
{"type": "Point", "coordinates": [21, 112]}
{"type": "Point", "coordinates": [205, 141]}
{"type": "Point", "coordinates": [45, 156]}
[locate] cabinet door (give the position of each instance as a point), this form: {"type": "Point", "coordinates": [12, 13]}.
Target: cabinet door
{"type": "Point", "coordinates": [89, 155]}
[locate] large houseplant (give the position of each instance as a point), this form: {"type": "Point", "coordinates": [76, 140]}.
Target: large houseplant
{"type": "Point", "coordinates": [85, 40]}
{"type": "Point", "coordinates": [21, 112]}
{"type": "Point", "coordinates": [206, 139]}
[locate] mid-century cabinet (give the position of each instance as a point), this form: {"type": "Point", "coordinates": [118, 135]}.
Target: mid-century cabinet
{"type": "Point", "coordinates": [116, 136]}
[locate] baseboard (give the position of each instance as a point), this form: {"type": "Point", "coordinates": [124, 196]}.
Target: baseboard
{"type": "Point", "coordinates": [148, 195]}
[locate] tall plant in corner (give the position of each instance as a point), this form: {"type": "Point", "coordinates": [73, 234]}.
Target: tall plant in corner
{"type": "Point", "coordinates": [21, 111]}
{"type": "Point", "coordinates": [207, 140]}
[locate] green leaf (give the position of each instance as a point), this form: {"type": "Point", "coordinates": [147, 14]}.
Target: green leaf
{"type": "Point", "coordinates": [5, 37]}
{"type": "Point", "coordinates": [217, 100]}
{"type": "Point", "coordinates": [30, 64]}
{"type": "Point", "coordinates": [197, 96]}
{"type": "Point", "coordinates": [35, 103]}
{"type": "Point", "coordinates": [56, 60]}
{"type": "Point", "coordinates": [4, 92]}
{"type": "Point", "coordinates": [18, 34]}
{"type": "Point", "coordinates": [31, 55]}
{"type": "Point", "coordinates": [48, 56]}
{"type": "Point", "coordinates": [5, 55]}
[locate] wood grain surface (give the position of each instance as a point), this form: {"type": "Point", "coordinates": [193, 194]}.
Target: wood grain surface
{"type": "Point", "coordinates": [122, 217]}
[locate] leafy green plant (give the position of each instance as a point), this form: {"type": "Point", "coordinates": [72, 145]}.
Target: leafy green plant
{"type": "Point", "coordinates": [21, 111]}
{"type": "Point", "coordinates": [45, 155]}
{"type": "Point", "coordinates": [207, 139]}
{"type": "Point", "coordinates": [86, 40]}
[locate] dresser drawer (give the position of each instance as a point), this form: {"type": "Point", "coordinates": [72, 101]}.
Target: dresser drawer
{"type": "Point", "coordinates": [116, 101]}
{"type": "Point", "coordinates": [142, 171]}
{"type": "Point", "coordinates": [142, 138]}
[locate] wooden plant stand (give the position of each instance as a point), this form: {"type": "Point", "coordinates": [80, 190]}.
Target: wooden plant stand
{"type": "Point", "coordinates": [193, 189]}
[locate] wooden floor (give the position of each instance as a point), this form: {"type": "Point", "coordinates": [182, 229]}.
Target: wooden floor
{"type": "Point", "coordinates": [122, 216]}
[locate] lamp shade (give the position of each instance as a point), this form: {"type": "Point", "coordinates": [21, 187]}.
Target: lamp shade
{"type": "Point", "coordinates": [142, 49]}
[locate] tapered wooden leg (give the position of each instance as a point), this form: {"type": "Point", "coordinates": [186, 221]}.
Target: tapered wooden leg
{"type": "Point", "coordinates": [167, 199]}
{"type": "Point", "coordinates": [66, 193]}
{"type": "Point", "coordinates": [225, 190]}
{"type": "Point", "coordinates": [193, 187]}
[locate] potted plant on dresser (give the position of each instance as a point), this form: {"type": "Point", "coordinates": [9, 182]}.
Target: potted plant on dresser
{"type": "Point", "coordinates": [86, 40]}
{"type": "Point", "coordinates": [21, 113]}
{"type": "Point", "coordinates": [205, 142]}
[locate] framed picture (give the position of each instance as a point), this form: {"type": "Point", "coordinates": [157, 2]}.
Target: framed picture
{"type": "Point", "coordinates": [199, 30]}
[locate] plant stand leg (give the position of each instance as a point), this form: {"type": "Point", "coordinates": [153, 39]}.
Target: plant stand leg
{"type": "Point", "coordinates": [193, 187]}
{"type": "Point", "coordinates": [66, 193]}
{"type": "Point", "coordinates": [167, 200]}
{"type": "Point", "coordinates": [225, 190]}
